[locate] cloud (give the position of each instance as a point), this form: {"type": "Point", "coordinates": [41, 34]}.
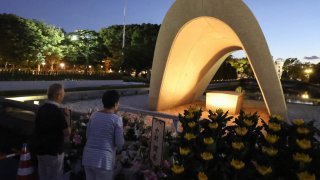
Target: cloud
{"type": "Point", "coordinates": [311, 57]}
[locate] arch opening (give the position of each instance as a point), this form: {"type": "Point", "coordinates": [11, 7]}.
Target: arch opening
{"type": "Point", "coordinates": [200, 47]}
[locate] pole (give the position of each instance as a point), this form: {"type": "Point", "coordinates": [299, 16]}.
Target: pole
{"type": "Point", "coordinates": [124, 24]}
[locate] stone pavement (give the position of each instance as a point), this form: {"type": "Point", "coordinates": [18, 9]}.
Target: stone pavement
{"type": "Point", "coordinates": [295, 111]}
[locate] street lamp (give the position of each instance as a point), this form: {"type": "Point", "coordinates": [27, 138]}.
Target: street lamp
{"type": "Point", "coordinates": [62, 65]}
{"type": "Point", "coordinates": [308, 72]}
{"type": "Point", "coordinates": [74, 37]}
{"type": "Point", "coordinates": [43, 63]}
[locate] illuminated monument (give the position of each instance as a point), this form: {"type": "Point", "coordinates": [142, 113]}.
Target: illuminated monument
{"type": "Point", "coordinates": [195, 38]}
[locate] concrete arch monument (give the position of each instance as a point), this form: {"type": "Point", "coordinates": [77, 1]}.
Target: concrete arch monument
{"type": "Point", "coordinates": [196, 36]}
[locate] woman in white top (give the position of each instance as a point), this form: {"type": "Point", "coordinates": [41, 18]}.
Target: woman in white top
{"type": "Point", "coordinates": [104, 135]}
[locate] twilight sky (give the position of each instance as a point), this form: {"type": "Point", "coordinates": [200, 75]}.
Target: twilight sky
{"type": "Point", "coordinates": [291, 27]}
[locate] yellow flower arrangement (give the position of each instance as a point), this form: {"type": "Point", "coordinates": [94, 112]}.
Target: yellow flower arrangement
{"type": "Point", "coordinates": [206, 156]}
{"type": "Point", "coordinates": [272, 138]}
{"type": "Point", "coordinates": [237, 145]}
{"type": "Point", "coordinates": [189, 136]}
{"type": "Point", "coordinates": [270, 151]}
{"type": "Point", "coordinates": [298, 122]}
{"type": "Point", "coordinates": [202, 176]}
{"type": "Point", "coordinates": [263, 170]}
{"type": "Point", "coordinates": [190, 115]}
{"type": "Point", "coordinates": [213, 125]}
{"type": "Point", "coordinates": [304, 143]}
{"type": "Point", "coordinates": [219, 111]}
{"type": "Point", "coordinates": [177, 169]}
{"type": "Point", "coordinates": [248, 122]}
{"type": "Point", "coordinates": [274, 127]}
{"type": "Point", "coordinates": [237, 164]}
{"type": "Point", "coordinates": [184, 151]}
{"type": "Point", "coordinates": [303, 130]}
{"type": "Point", "coordinates": [302, 157]}
{"type": "Point", "coordinates": [278, 117]}
{"type": "Point", "coordinates": [305, 175]}
{"type": "Point", "coordinates": [191, 124]}
{"type": "Point", "coordinates": [193, 109]}
{"type": "Point", "coordinates": [208, 140]}
{"type": "Point", "coordinates": [241, 131]}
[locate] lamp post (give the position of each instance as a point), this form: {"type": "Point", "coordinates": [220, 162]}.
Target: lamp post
{"type": "Point", "coordinates": [62, 66]}
{"type": "Point", "coordinates": [43, 64]}
{"type": "Point", "coordinates": [308, 72]}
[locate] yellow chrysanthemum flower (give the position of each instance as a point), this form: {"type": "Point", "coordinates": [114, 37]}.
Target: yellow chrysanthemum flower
{"type": "Point", "coordinates": [248, 122]}
{"type": "Point", "coordinates": [241, 131]}
{"type": "Point", "coordinates": [190, 115]}
{"type": "Point", "coordinates": [208, 140]}
{"type": "Point", "coordinates": [237, 145]}
{"type": "Point", "coordinates": [189, 136]}
{"type": "Point", "coordinates": [305, 175]}
{"type": "Point", "coordinates": [272, 138]}
{"type": "Point", "coordinates": [274, 127]}
{"type": "Point", "coordinates": [177, 169]}
{"type": "Point", "coordinates": [193, 109]}
{"type": "Point", "coordinates": [263, 170]}
{"type": "Point", "coordinates": [202, 176]}
{"type": "Point", "coordinates": [298, 122]}
{"type": "Point", "coordinates": [219, 111]}
{"type": "Point", "coordinates": [213, 116]}
{"type": "Point", "coordinates": [191, 124]}
{"type": "Point", "coordinates": [278, 117]}
{"type": "Point", "coordinates": [270, 151]}
{"type": "Point", "coordinates": [304, 143]}
{"type": "Point", "coordinates": [237, 164]}
{"type": "Point", "coordinates": [206, 156]}
{"type": "Point", "coordinates": [184, 151]}
{"type": "Point", "coordinates": [303, 130]}
{"type": "Point", "coordinates": [213, 125]}
{"type": "Point", "coordinates": [302, 157]}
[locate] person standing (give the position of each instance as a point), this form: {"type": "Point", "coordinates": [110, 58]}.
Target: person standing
{"type": "Point", "coordinates": [51, 129]}
{"type": "Point", "coordinates": [104, 136]}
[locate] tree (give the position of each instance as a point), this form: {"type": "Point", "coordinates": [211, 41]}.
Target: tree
{"type": "Point", "coordinates": [139, 39]}
{"type": "Point", "coordinates": [137, 59]}
{"type": "Point", "coordinates": [292, 69]}
{"type": "Point", "coordinates": [112, 38]}
{"type": "Point", "coordinates": [51, 48]}
{"type": "Point", "coordinates": [242, 66]}
{"type": "Point", "coordinates": [315, 76]}
{"type": "Point", "coordinates": [84, 48]}
{"type": "Point", "coordinates": [20, 40]}
{"type": "Point", "coordinates": [226, 71]}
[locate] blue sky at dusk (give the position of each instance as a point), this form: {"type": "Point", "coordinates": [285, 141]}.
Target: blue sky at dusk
{"type": "Point", "coordinates": [291, 27]}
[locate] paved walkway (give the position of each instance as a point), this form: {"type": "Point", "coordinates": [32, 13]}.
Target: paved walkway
{"type": "Point", "coordinates": [295, 111]}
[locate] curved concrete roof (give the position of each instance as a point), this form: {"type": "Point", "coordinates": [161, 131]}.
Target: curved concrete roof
{"type": "Point", "coordinates": [194, 40]}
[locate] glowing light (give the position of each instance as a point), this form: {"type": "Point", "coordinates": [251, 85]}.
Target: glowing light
{"type": "Point", "coordinates": [74, 37]}
{"type": "Point", "coordinates": [62, 65]}
{"type": "Point", "coordinates": [90, 66]}
{"type": "Point", "coordinates": [101, 67]}
{"type": "Point", "coordinates": [43, 63]}
{"type": "Point", "coordinates": [308, 71]}
{"type": "Point", "coordinates": [26, 98]}
{"type": "Point", "coordinates": [227, 101]}
{"type": "Point", "coordinates": [36, 102]}
{"type": "Point", "coordinates": [305, 95]}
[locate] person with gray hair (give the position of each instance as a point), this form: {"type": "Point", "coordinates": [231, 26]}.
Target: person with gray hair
{"type": "Point", "coordinates": [51, 128]}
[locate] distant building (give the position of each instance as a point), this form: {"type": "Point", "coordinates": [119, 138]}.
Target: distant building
{"type": "Point", "coordinates": [278, 63]}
